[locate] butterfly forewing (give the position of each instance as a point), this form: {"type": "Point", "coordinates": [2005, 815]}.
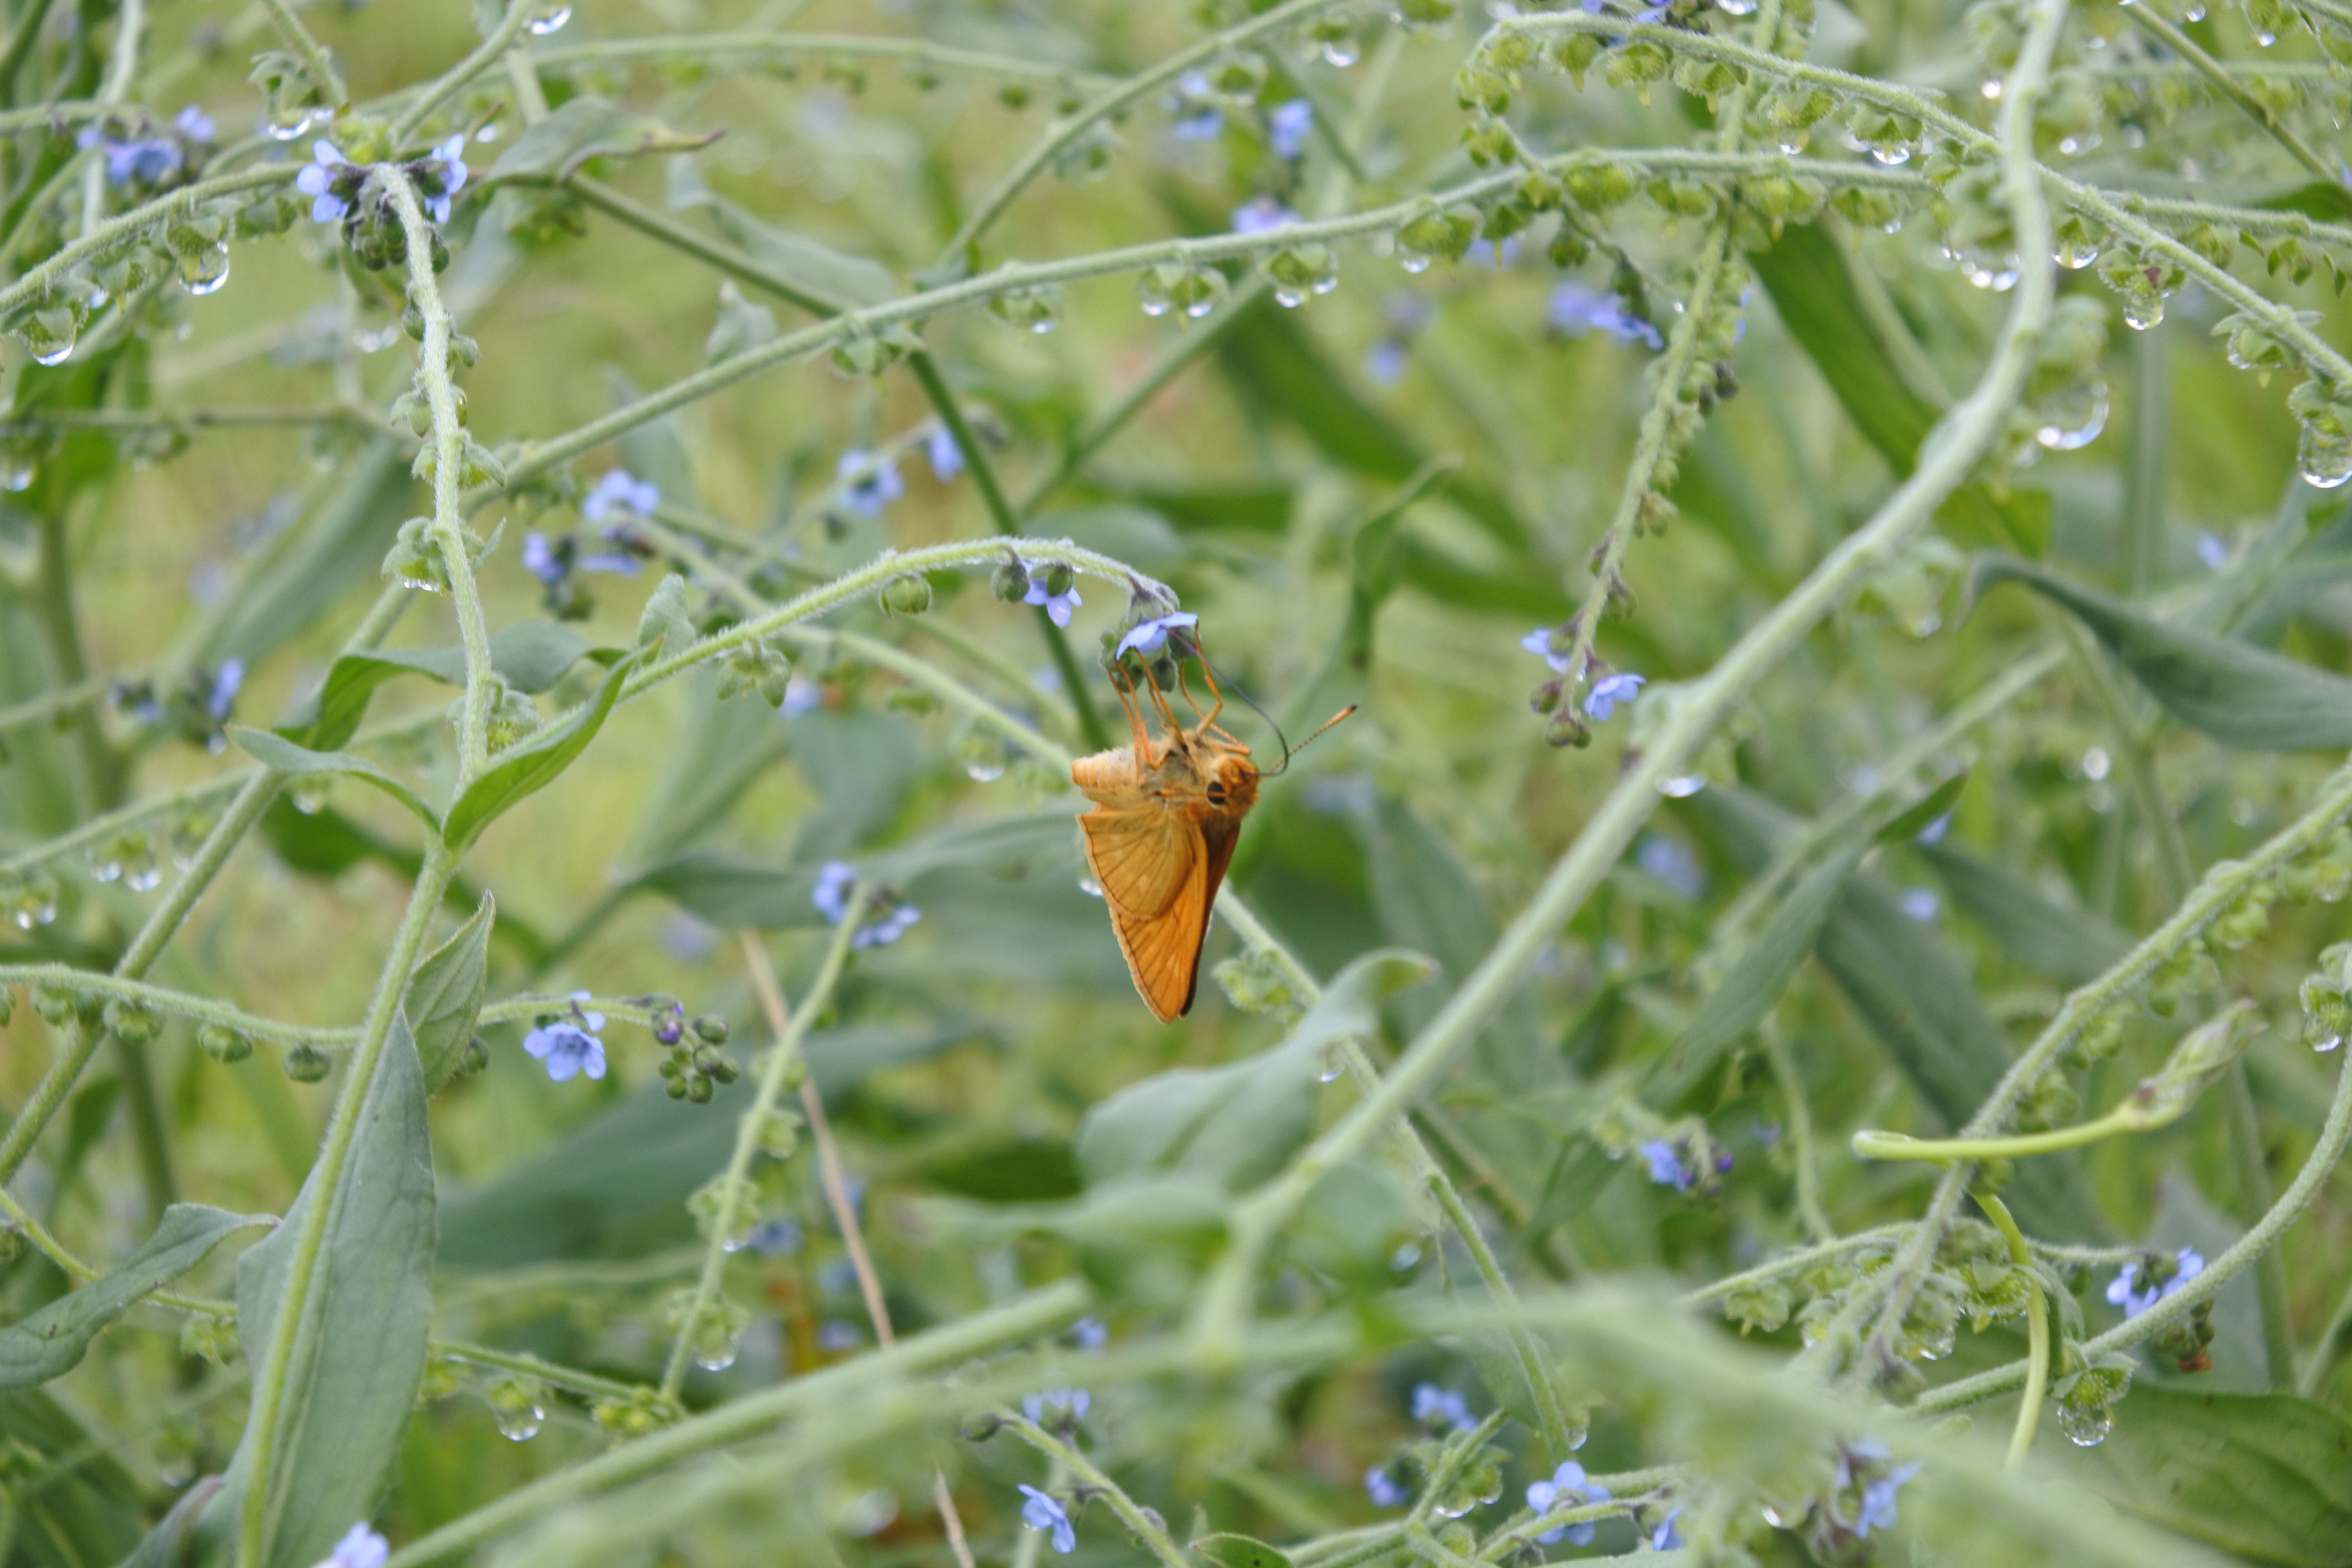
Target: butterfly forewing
{"type": "Point", "coordinates": [1162, 947]}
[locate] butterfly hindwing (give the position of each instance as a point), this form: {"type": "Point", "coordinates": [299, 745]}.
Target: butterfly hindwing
{"type": "Point", "coordinates": [1162, 946]}
{"type": "Point", "coordinates": [1142, 857]}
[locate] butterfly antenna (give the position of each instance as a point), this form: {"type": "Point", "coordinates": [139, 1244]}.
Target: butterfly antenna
{"type": "Point", "coordinates": [1290, 751]}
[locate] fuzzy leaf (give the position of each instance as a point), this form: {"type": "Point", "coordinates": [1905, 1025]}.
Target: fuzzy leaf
{"type": "Point", "coordinates": [584, 127]}
{"type": "Point", "coordinates": [2244, 697]}
{"type": "Point", "coordinates": [445, 996]}
{"type": "Point", "coordinates": [51, 1343]}
{"type": "Point", "coordinates": [274, 750]}
{"type": "Point", "coordinates": [534, 767]}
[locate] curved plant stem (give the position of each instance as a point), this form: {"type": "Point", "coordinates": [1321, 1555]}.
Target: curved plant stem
{"type": "Point", "coordinates": [2037, 1332]}
{"type": "Point", "coordinates": [1146, 1528]}
{"type": "Point", "coordinates": [315, 63]}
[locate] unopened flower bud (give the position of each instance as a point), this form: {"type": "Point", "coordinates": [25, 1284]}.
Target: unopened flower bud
{"type": "Point", "coordinates": [306, 1064]}
{"type": "Point", "coordinates": [132, 1024]}
{"type": "Point", "coordinates": [2204, 1054]}
{"type": "Point", "coordinates": [1009, 581]}
{"type": "Point", "coordinates": [908, 595]}
{"type": "Point", "coordinates": [223, 1044]}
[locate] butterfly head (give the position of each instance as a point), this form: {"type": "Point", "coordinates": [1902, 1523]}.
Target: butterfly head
{"type": "Point", "coordinates": [1232, 785]}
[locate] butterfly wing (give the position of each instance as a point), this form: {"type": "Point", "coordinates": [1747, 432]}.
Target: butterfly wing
{"type": "Point", "coordinates": [1153, 866]}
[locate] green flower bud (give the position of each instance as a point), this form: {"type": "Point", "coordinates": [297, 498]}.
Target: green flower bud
{"type": "Point", "coordinates": [223, 1044]}
{"type": "Point", "coordinates": [908, 595]}
{"type": "Point", "coordinates": [306, 1064]}
{"type": "Point", "coordinates": [132, 1024]}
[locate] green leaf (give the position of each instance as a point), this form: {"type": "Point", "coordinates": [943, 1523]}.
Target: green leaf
{"type": "Point", "coordinates": [530, 656]}
{"type": "Point", "coordinates": [359, 1353]}
{"type": "Point", "coordinates": [1755, 978]}
{"type": "Point", "coordinates": [274, 750]}
{"type": "Point", "coordinates": [52, 1342]}
{"type": "Point", "coordinates": [1910, 823]}
{"type": "Point", "coordinates": [73, 1489]}
{"type": "Point", "coordinates": [2070, 945]}
{"type": "Point", "coordinates": [1240, 1552]}
{"type": "Point", "coordinates": [2326, 200]}
{"type": "Point", "coordinates": [664, 619]}
{"type": "Point", "coordinates": [445, 996]}
{"type": "Point", "coordinates": [2263, 1477]}
{"type": "Point", "coordinates": [584, 128]}
{"type": "Point", "coordinates": [829, 280]}
{"type": "Point", "coordinates": [2244, 697]}
{"type": "Point", "coordinates": [169, 1545]}
{"type": "Point", "coordinates": [340, 543]}
{"type": "Point", "coordinates": [1807, 274]}
{"type": "Point", "coordinates": [1237, 1125]}
{"type": "Point", "coordinates": [532, 767]}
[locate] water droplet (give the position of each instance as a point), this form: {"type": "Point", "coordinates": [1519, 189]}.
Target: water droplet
{"type": "Point", "coordinates": [1342, 51]}
{"type": "Point", "coordinates": [286, 130]}
{"type": "Point", "coordinates": [29, 914]}
{"type": "Point", "coordinates": [2074, 418]}
{"type": "Point", "coordinates": [1151, 296]}
{"type": "Point", "coordinates": [714, 1349]}
{"type": "Point", "coordinates": [1682, 786]}
{"type": "Point", "coordinates": [57, 353]}
{"type": "Point", "coordinates": [206, 272]}
{"type": "Point", "coordinates": [15, 473]}
{"type": "Point", "coordinates": [2323, 1043]}
{"type": "Point", "coordinates": [2266, 39]}
{"type": "Point", "coordinates": [1287, 298]}
{"type": "Point", "coordinates": [2195, 13]}
{"type": "Point", "coordinates": [2075, 255]}
{"type": "Point", "coordinates": [421, 585]}
{"type": "Point", "coordinates": [1201, 307]}
{"type": "Point", "coordinates": [105, 868]}
{"type": "Point", "coordinates": [1793, 143]}
{"type": "Point", "coordinates": [519, 1423]}
{"type": "Point", "coordinates": [1991, 86]}
{"type": "Point", "coordinates": [2142, 312]}
{"type": "Point", "coordinates": [982, 772]}
{"type": "Point", "coordinates": [1894, 155]}
{"type": "Point", "coordinates": [2326, 460]}
{"type": "Point", "coordinates": [2086, 1427]}
{"type": "Point", "coordinates": [1998, 277]}
{"type": "Point", "coordinates": [1938, 1344]}
{"type": "Point", "coordinates": [1736, 7]}
{"type": "Point", "coordinates": [2135, 134]}
{"type": "Point", "coordinates": [1089, 887]}
{"type": "Point", "coordinates": [143, 875]}
{"type": "Point", "coordinates": [540, 26]}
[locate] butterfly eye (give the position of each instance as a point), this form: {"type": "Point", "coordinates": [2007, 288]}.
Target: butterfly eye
{"type": "Point", "coordinates": [1216, 792]}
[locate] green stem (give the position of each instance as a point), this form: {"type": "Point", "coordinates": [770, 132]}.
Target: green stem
{"type": "Point", "coordinates": [21, 39]}
{"type": "Point", "coordinates": [2037, 1332]}
{"type": "Point", "coordinates": [777, 1066]}
{"type": "Point", "coordinates": [834, 1388]}
{"type": "Point", "coordinates": [737, 47]}
{"type": "Point", "coordinates": [983, 475]}
{"type": "Point", "coordinates": [2150, 459]}
{"type": "Point", "coordinates": [1798, 1262]}
{"type": "Point", "coordinates": [2254, 1200]}
{"type": "Point", "coordinates": [1799, 1134]}
{"type": "Point", "coordinates": [449, 532]}
{"type": "Point", "coordinates": [1871, 1144]}
{"type": "Point", "coordinates": [259, 1513]}
{"type": "Point", "coordinates": [2229, 87]}
{"type": "Point", "coordinates": [137, 221]}
{"type": "Point", "coordinates": [1109, 102]}
{"type": "Point", "coordinates": [2184, 1298]}
{"type": "Point", "coordinates": [315, 63]}
{"type": "Point", "coordinates": [453, 81]}
{"type": "Point", "coordinates": [1146, 1528]}
{"type": "Point", "coordinates": [2326, 1355]}
{"type": "Point", "coordinates": [2177, 871]}
{"type": "Point", "coordinates": [552, 1374]}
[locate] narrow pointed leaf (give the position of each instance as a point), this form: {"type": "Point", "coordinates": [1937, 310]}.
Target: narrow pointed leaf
{"type": "Point", "coordinates": [52, 1342]}
{"type": "Point", "coordinates": [276, 752]}
{"type": "Point", "coordinates": [2066, 944]}
{"type": "Point", "coordinates": [530, 656]}
{"type": "Point", "coordinates": [360, 1352]}
{"type": "Point", "coordinates": [445, 996]}
{"type": "Point", "coordinates": [2245, 697]}
{"type": "Point", "coordinates": [532, 767]}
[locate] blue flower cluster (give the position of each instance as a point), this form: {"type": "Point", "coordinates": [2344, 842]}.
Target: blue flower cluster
{"type": "Point", "coordinates": [869, 482]}
{"type": "Point", "coordinates": [1577, 309]}
{"type": "Point", "coordinates": [333, 182]}
{"type": "Point", "coordinates": [360, 1547]}
{"type": "Point", "coordinates": [2143, 1284]}
{"type": "Point", "coordinates": [1435, 1407]}
{"type": "Point", "coordinates": [1147, 637]}
{"type": "Point", "coordinates": [1042, 1512]}
{"type": "Point", "coordinates": [149, 160]}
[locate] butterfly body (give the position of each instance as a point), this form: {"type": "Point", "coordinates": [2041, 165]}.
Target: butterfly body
{"type": "Point", "coordinates": [1167, 814]}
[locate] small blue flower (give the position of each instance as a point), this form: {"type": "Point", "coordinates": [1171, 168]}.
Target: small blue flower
{"type": "Point", "coordinates": [360, 1548]}
{"type": "Point", "coordinates": [1550, 645]}
{"type": "Point", "coordinates": [1666, 1167]}
{"type": "Point", "coordinates": [1594, 7]}
{"type": "Point", "coordinates": [945, 454]}
{"type": "Point", "coordinates": [1435, 1407]}
{"type": "Point", "coordinates": [1057, 605]}
{"type": "Point", "coordinates": [1383, 1488]}
{"type": "Point", "coordinates": [1089, 1334]}
{"type": "Point", "coordinates": [1672, 863]}
{"type": "Point", "coordinates": [837, 1336]}
{"type": "Point", "coordinates": [194, 124]}
{"type": "Point", "coordinates": [835, 879]}
{"type": "Point", "coordinates": [1384, 363]}
{"type": "Point", "coordinates": [2211, 552]}
{"type": "Point", "coordinates": [1566, 1488]}
{"type": "Point", "coordinates": [1042, 1512]}
{"type": "Point", "coordinates": [777, 1238]}
{"type": "Point", "coordinates": [1934, 832]}
{"type": "Point", "coordinates": [1609, 691]}
{"type": "Point", "coordinates": [331, 180]}
{"type": "Point", "coordinates": [543, 561]}
{"type": "Point", "coordinates": [618, 563]}
{"type": "Point", "coordinates": [1193, 103]}
{"type": "Point", "coordinates": [1877, 1510]}
{"type": "Point", "coordinates": [446, 165]}
{"type": "Point", "coordinates": [1148, 637]}
{"type": "Point", "coordinates": [868, 483]}
{"type": "Point", "coordinates": [1575, 309]}
{"type": "Point", "coordinates": [1921, 904]}
{"type": "Point", "coordinates": [147, 160]}
{"type": "Point", "coordinates": [569, 1045]}
{"type": "Point", "coordinates": [1665, 1537]}
{"type": "Point", "coordinates": [1486, 254]}
{"type": "Point", "coordinates": [1288, 127]}
{"type": "Point", "coordinates": [1067, 1406]}
{"type": "Point", "coordinates": [2143, 1284]}
{"type": "Point", "coordinates": [617, 488]}
{"type": "Point", "coordinates": [1262, 214]}
{"type": "Point", "coordinates": [227, 682]}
